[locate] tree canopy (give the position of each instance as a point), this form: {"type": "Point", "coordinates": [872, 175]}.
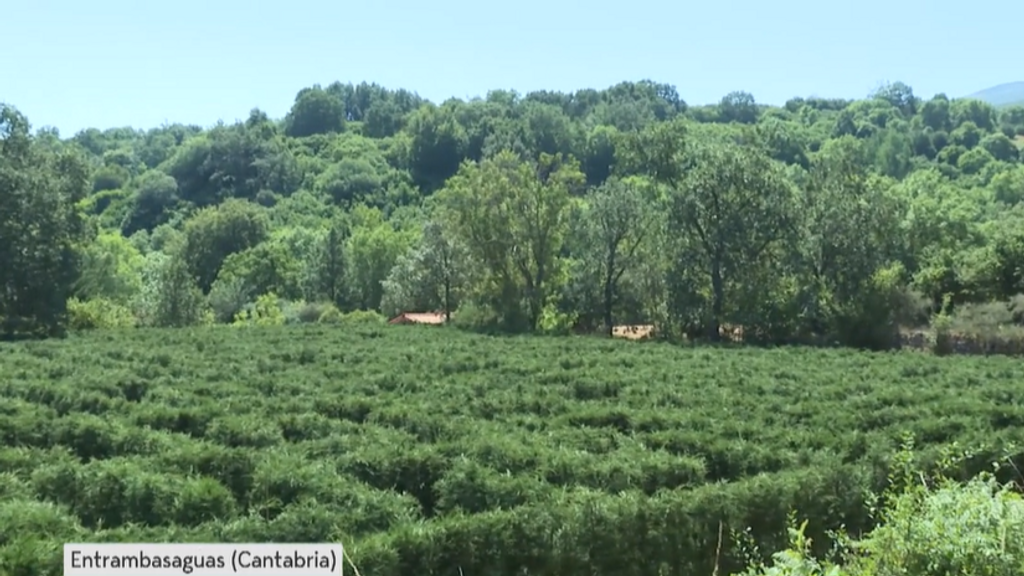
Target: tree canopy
{"type": "Point", "coordinates": [538, 211]}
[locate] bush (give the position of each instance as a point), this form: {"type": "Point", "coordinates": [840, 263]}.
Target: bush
{"type": "Point", "coordinates": [941, 336]}
{"type": "Point", "coordinates": [927, 528]}
{"type": "Point", "coordinates": [983, 328]}
{"type": "Point", "coordinates": [474, 317]}
{"type": "Point", "coordinates": [228, 298]}
{"type": "Point", "coordinates": [304, 312]}
{"type": "Point", "coordinates": [367, 317]}
{"type": "Point", "coordinates": [1017, 309]}
{"type": "Point", "coordinates": [98, 314]}
{"type": "Point", "coordinates": [330, 315]}
{"type": "Point", "coordinates": [425, 452]}
{"type": "Point", "coordinates": [982, 317]}
{"type": "Point", "coordinates": [265, 312]}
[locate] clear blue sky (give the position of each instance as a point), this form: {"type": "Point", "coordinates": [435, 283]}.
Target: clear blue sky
{"type": "Point", "coordinates": [104, 63]}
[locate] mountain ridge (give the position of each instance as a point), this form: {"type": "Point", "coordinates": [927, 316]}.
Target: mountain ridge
{"type": "Point", "coordinates": [1002, 95]}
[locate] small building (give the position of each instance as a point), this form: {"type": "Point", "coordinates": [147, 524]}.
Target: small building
{"type": "Point", "coordinates": [418, 318]}
{"type": "Point", "coordinates": [633, 332]}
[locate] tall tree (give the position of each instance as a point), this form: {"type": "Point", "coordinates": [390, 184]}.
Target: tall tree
{"type": "Point", "coordinates": [327, 268]}
{"type": "Point", "coordinates": [171, 296]}
{"type": "Point", "coordinates": [41, 227]}
{"type": "Point", "coordinates": [850, 231]}
{"type": "Point", "coordinates": [512, 216]}
{"type": "Point", "coordinates": [217, 232]}
{"type": "Point", "coordinates": [371, 252]}
{"type": "Point", "coordinates": [734, 204]}
{"type": "Point", "coordinates": [618, 219]}
{"type": "Point", "coordinates": [430, 275]}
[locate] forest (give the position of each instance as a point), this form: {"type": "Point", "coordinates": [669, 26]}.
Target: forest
{"type": "Point", "coordinates": [818, 221]}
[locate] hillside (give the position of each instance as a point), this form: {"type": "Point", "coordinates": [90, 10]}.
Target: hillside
{"type": "Point", "coordinates": [854, 215]}
{"type": "Point", "coordinates": [1003, 95]}
{"type": "Point", "coordinates": [231, 376]}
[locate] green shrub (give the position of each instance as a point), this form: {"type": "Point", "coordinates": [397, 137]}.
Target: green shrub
{"type": "Point", "coordinates": [265, 312]}
{"type": "Point", "coordinates": [20, 518]}
{"type": "Point", "coordinates": [12, 487]}
{"type": "Point", "coordinates": [32, 556]}
{"type": "Point", "coordinates": [98, 314]}
{"type": "Point", "coordinates": [366, 317]}
{"type": "Point", "coordinates": [928, 526]}
{"type": "Point", "coordinates": [304, 312]}
{"type": "Point", "coordinates": [493, 454]}
{"type": "Point", "coordinates": [330, 315]}
{"type": "Point", "coordinates": [977, 528]}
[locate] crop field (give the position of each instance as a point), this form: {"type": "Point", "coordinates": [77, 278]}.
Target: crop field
{"type": "Point", "coordinates": [429, 451]}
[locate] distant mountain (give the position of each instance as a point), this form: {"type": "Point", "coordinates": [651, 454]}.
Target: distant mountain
{"type": "Point", "coordinates": [1011, 94]}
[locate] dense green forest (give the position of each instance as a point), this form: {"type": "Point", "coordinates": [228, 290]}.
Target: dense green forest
{"type": "Point", "coordinates": [821, 219]}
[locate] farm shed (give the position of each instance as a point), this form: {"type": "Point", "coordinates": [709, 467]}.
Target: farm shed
{"type": "Point", "coordinates": [418, 318]}
{"type": "Point", "coordinates": [633, 332]}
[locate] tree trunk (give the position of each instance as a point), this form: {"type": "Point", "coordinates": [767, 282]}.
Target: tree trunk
{"type": "Point", "coordinates": [609, 294]}
{"type": "Point", "coordinates": [447, 300]}
{"type": "Point", "coordinates": [718, 300]}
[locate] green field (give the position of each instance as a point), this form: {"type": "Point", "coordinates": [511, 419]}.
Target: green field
{"type": "Point", "coordinates": [429, 450]}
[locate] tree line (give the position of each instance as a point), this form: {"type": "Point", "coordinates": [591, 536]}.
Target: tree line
{"type": "Point", "coordinates": [819, 219]}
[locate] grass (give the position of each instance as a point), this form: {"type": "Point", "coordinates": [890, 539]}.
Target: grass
{"type": "Point", "coordinates": [424, 448]}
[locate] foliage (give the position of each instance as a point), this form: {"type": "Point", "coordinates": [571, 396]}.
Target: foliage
{"type": "Point", "coordinates": [431, 451]}
{"type": "Point", "coordinates": [266, 311]}
{"type": "Point", "coordinates": [516, 209]}
{"type": "Point", "coordinates": [40, 226]}
{"type": "Point", "coordinates": [930, 525]}
{"type": "Point", "coordinates": [426, 449]}
{"type": "Point", "coordinates": [98, 313]}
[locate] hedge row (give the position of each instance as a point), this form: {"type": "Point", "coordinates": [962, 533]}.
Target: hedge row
{"type": "Point", "coordinates": [425, 449]}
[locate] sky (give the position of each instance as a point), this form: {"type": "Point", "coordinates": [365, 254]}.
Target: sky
{"type": "Point", "coordinates": [73, 64]}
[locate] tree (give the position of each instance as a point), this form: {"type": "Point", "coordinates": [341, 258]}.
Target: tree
{"type": "Point", "coordinates": [738, 107]}
{"type": "Point", "coordinates": [512, 217]}
{"type": "Point", "coordinates": [41, 228]}
{"type": "Point", "coordinates": [110, 268]}
{"type": "Point", "coordinates": [171, 297]}
{"type": "Point", "coordinates": [215, 233]}
{"type": "Point", "coordinates": [900, 96]}
{"type": "Point", "coordinates": [157, 195]}
{"type": "Point", "coordinates": [266, 267]}
{"type": "Point", "coordinates": [1000, 147]}
{"type": "Point", "coordinates": [935, 113]}
{"type": "Point", "coordinates": [372, 251]}
{"type": "Point", "coordinates": [850, 231]}
{"type": "Point", "coordinates": [730, 209]}
{"type": "Point", "coordinates": [618, 220]}
{"type": "Point", "coordinates": [316, 111]}
{"type": "Point", "coordinates": [430, 275]}
{"type": "Point", "coordinates": [326, 268]}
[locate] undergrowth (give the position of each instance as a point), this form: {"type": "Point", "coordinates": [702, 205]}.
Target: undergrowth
{"type": "Point", "coordinates": [928, 525]}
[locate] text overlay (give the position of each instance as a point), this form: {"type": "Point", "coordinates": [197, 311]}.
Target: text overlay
{"type": "Point", "coordinates": [203, 559]}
